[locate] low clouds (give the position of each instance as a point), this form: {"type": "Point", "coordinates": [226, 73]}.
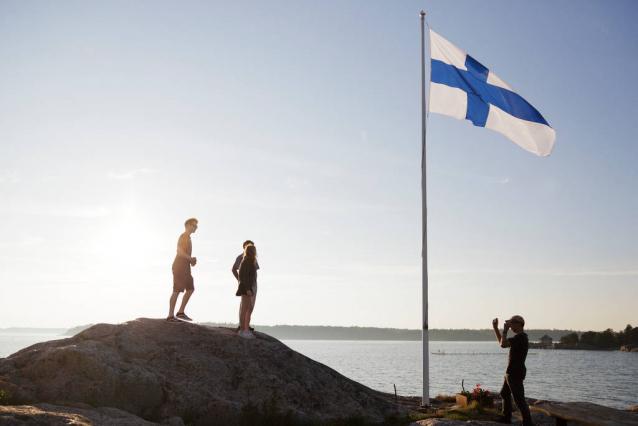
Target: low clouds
{"type": "Point", "coordinates": [71, 211]}
{"type": "Point", "coordinates": [132, 174]}
{"type": "Point", "coordinates": [474, 177]}
{"type": "Point", "coordinates": [296, 182]}
{"type": "Point", "coordinates": [504, 181]}
{"type": "Point", "coordinates": [9, 178]}
{"type": "Point", "coordinates": [24, 242]}
{"type": "Point", "coordinates": [556, 273]}
{"type": "Point", "coordinates": [603, 273]}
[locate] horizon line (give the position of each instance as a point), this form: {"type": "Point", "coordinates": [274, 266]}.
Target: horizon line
{"type": "Point", "coordinates": [222, 323]}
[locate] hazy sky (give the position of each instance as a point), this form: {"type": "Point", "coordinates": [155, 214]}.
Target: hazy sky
{"type": "Point", "coordinates": [297, 124]}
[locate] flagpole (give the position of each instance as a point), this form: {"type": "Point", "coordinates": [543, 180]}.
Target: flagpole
{"type": "Point", "coordinates": [424, 242]}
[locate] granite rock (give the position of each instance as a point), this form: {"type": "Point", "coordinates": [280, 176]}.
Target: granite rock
{"type": "Point", "coordinates": [204, 375]}
{"type": "Point", "coordinates": [46, 414]}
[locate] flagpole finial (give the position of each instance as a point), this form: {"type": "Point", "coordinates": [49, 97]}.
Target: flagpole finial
{"type": "Point", "coordinates": [422, 14]}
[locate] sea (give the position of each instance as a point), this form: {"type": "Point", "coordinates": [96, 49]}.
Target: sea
{"type": "Point", "coordinates": [607, 378]}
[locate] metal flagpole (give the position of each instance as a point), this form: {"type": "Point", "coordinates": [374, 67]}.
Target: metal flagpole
{"type": "Point", "coordinates": [424, 243]}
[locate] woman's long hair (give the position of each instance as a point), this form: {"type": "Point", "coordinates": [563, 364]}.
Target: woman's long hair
{"type": "Point", "coordinates": [250, 252]}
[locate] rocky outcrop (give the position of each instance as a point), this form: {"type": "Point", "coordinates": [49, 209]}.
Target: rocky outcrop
{"type": "Point", "coordinates": [46, 414]}
{"type": "Point", "coordinates": [204, 375]}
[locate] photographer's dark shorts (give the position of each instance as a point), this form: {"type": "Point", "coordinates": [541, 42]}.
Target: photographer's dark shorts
{"type": "Point", "coordinates": [182, 282]}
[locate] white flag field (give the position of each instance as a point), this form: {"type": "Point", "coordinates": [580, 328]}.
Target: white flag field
{"type": "Point", "coordinates": [464, 89]}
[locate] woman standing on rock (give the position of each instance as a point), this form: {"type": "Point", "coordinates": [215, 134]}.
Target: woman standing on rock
{"type": "Point", "coordinates": [246, 289]}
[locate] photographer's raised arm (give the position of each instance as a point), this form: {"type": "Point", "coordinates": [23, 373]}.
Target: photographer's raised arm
{"type": "Point", "coordinates": [502, 339]}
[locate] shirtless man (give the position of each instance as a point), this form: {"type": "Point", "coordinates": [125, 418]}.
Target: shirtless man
{"type": "Point", "coordinates": [182, 278]}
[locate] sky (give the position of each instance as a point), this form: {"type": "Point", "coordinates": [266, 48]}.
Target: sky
{"type": "Point", "coordinates": [297, 124]}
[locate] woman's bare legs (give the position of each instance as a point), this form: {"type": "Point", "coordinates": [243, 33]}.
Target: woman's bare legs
{"type": "Point", "coordinates": [246, 311]}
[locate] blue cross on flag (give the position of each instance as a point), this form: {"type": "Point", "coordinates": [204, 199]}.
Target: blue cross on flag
{"type": "Point", "coordinates": [464, 89]}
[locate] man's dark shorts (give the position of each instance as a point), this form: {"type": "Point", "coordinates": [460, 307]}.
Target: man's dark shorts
{"type": "Point", "coordinates": [182, 282]}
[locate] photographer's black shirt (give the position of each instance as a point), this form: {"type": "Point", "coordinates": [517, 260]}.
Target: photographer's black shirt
{"type": "Point", "coordinates": [516, 357]}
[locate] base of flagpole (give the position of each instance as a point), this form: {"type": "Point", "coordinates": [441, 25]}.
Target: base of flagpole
{"type": "Point", "coordinates": [426, 409]}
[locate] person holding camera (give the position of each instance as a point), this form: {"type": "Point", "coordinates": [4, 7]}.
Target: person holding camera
{"type": "Point", "coordinates": [516, 370]}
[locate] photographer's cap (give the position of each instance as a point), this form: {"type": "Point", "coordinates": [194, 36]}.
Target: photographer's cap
{"type": "Point", "coordinates": [518, 318]}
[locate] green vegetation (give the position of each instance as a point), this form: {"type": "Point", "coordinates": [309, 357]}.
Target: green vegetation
{"type": "Point", "coordinates": [310, 332]}
{"type": "Point", "coordinates": [474, 411]}
{"type": "Point", "coordinates": [446, 398]}
{"type": "Point", "coordinates": [607, 339]}
{"type": "Point", "coordinates": [569, 339]}
{"type": "Point", "coordinates": [307, 332]}
{"type": "Point", "coordinates": [9, 398]}
{"type": "Point", "coordinates": [604, 339]}
{"type": "Point", "coordinates": [5, 396]}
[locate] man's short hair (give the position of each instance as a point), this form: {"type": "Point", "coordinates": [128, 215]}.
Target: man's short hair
{"type": "Point", "coordinates": [191, 221]}
{"type": "Point", "coordinates": [248, 243]}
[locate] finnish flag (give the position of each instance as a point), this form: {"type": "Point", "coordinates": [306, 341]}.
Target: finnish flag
{"type": "Point", "coordinates": [464, 89]}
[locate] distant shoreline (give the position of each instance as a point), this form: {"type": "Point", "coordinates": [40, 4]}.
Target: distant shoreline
{"type": "Point", "coordinates": [309, 332]}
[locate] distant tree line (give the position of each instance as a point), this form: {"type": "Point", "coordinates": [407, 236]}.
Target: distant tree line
{"type": "Point", "coordinates": [314, 332]}
{"type": "Point", "coordinates": [607, 339]}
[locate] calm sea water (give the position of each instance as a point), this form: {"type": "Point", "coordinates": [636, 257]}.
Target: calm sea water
{"type": "Point", "coordinates": [10, 344]}
{"type": "Point", "coordinates": [606, 378]}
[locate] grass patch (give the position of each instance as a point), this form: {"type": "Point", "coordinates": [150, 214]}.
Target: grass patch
{"type": "Point", "coordinates": [455, 415]}
{"type": "Point", "coordinates": [446, 398]}
{"type": "Point", "coordinates": [5, 396]}
{"type": "Point", "coordinates": [416, 417]}
{"type": "Point", "coordinates": [473, 411]}
{"type": "Point", "coordinates": [9, 398]}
